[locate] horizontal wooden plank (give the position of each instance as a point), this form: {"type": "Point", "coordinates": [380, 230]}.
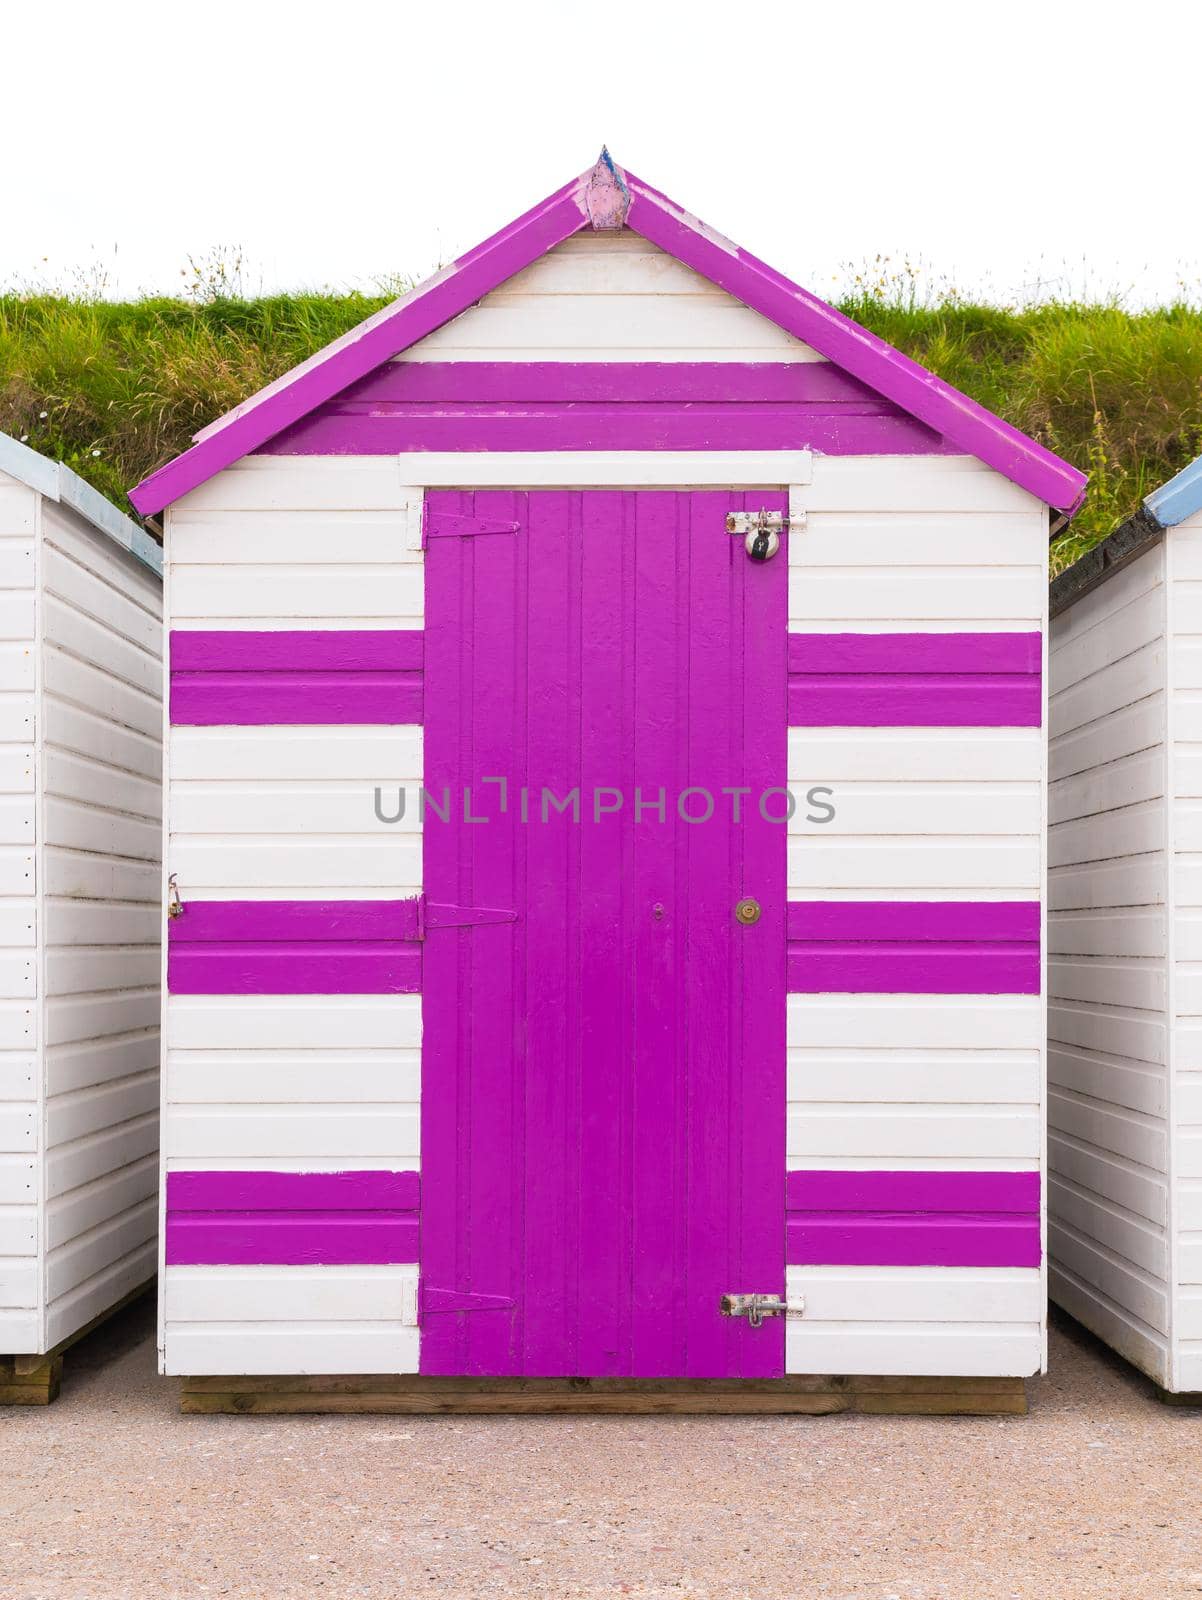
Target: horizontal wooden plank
{"type": "Point", "coordinates": [248, 592]}
{"type": "Point", "coordinates": [252, 1294]}
{"type": "Point", "coordinates": [305, 538]}
{"type": "Point", "coordinates": [337, 1077]}
{"type": "Point", "coordinates": [889, 538]}
{"type": "Point", "coordinates": [980, 1349]}
{"type": "Point", "coordinates": [968, 1077]}
{"type": "Point", "coordinates": [250, 1347]}
{"type": "Point", "coordinates": [379, 755]}
{"type": "Point", "coordinates": [913, 1022]}
{"type": "Point", "coordinates": [324, 806]}
{"type": "Point", "coordinates": [902, 595]}
{"type": "Point", "coordinates": [385, 1134]}
{"type": "Point", "coordinates": [335, 865]}
{"type": "Point", "coordinates": [897, 756]}
{"type": "Point", "coordinates": [252, 1022]}
{"type": "Point", "coordinates": [931, 864]}
{"type": "Point", "coordinates": [290, 1238]}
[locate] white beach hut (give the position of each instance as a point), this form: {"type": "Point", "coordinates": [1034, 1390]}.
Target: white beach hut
{"type": "Point", "coordinates": [1125, 938]}
{"type": "Point", "coordinates": [80, 776]}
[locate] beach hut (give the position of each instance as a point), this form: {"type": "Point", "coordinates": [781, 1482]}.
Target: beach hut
{"type": "Point", "coordinates": [1125, 938]}
{"type": "Point", "coordinates": [80, 837]}
{"type": "Point", "coordinates": [606, 818]}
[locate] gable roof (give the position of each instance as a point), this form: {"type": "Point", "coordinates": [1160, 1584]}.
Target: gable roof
{"type": "Point", "coordinates": [607, 197]}
{"type": "Point", "coordinates": [57, 482]}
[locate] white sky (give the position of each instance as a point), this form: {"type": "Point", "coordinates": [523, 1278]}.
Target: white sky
{"type": "Point", "coordinates": [1002, 146]}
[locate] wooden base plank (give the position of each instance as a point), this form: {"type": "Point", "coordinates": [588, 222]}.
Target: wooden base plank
{"type": "Point", "coordinates": [412, 1395]}
{"type": "Point", "coordinates": [34, 1380]}
{"type": "Point", "coordinates": [1185, 1397]}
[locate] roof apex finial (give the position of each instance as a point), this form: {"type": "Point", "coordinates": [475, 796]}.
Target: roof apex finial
{"type": "Point", "coordinates": [606, 196]}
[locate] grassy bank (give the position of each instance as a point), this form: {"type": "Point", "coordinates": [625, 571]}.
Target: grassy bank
{"type": "Point", "coordinates": [116, 389]}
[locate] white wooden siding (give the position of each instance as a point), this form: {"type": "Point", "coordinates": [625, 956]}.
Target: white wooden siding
{"type": "Point", "coordinates": [1107, 965]}
{"type": "Point", "coordinates": [942, 1322]}
{"type": "Point", "coordinates": [1183, 550]}
{"type": "Point", "coordinates": [923, 544]}
{"type": "Point", "coordinates": [914, 1081]}
{"type": "Point", "coordinates": [609, 298]}
{"type": "Point", "coordinates": [80, 798]}
{"type": "Point", "coordinates": [20, 1076]}
{"type": "Point", "coordinates": [291, 1319]}
{"type": "Point", "coordinates": [289, 813]}
{"type": "Point", "coordinates": [293, 1082]}
{"type": "Point", "coordinates": [331, 544]}
{"type": "Point", "coordinates": [102, 810]}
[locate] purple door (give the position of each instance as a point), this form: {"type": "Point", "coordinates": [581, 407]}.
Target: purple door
{"type": "Point", "coordinates": [603, 1078]}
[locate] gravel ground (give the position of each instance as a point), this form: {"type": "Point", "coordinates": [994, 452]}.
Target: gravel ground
{"type": "Point", "coordinates": [110, 1494]}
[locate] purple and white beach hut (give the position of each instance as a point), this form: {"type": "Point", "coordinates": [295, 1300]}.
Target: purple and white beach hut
{"type": "Point", "coordinates": [691, 1027]}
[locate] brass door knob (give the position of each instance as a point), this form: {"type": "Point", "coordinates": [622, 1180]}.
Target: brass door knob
{"type": "Point", "coordinates": [747, 911]}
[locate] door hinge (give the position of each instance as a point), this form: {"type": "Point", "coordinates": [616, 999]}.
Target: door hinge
{"type": "Point", "coordinates": [431, 1300]}
{"type": "Point", "coordinates": [455, 524]}
{"type": "Point", "coordinates": [435, 914]}
{"type": "Point", "coordinates": [755, 1307]}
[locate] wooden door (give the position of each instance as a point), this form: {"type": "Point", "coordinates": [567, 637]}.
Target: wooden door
{"type": "Point", "coordinates": [603, 1079]}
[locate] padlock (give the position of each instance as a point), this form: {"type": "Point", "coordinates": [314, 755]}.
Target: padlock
{"type": "Point", "coordinates": [762, 543]}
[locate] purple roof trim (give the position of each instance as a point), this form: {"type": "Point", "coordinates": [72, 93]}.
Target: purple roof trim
{"type": "Point", "coordinates": [963, 423]}
{"type": "Point", "coordinates": [366, 347]}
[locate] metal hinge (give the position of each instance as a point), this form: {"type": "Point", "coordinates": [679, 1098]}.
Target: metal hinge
{"type": "Point", "coordinates": [454, 524]}
{"type": "Point", "coordinates": [175, 906]}
{"type": "Point", "coordinates": [434, 914]}
{"type": "Point", "coordinates": [755, 1307]}
{"type": "Point", "coordinates": [431, 1300]}
{"type": "Point", "coordinates": [778, 522]}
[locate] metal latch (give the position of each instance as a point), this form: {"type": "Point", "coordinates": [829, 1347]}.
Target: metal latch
{"type": "Point", "coordinates": [175, 906]}
{"type": "Point", "coordinates": [755, 1307]}
{"type": "Point", "coordinates": [761, 530]}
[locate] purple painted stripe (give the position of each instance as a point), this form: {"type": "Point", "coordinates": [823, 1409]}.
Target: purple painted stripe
{"type": "Point", "coordinates": [920, 702]}
{"type": "Point", "coordinates": [934, 680]}
{"type": "Point", "coordinates": [913, 947]}
{"type": "Point", "coordinates": [308, 1238]}
{"type": "Point", "coordinates": [295, 947]}
{"type": "Point", "coordinates": [330, 432]}
{"type": "Point", "coordinates": [294, 969]}
{"type": "Point", "coordinates": [285, 921]}
{"type": "Point", "coordinates": [293, 1191]}
{"type": "Point", "coordinates": [297, 650]}
{"type": "Point", "coordinates": [252, 679]}
{"type": "Point", "coordinates": [929, 969]}
{"type": "Point", "coordinates": [909, 654]}
{"type": "Point", "coordinates": [977, 1240]}
{"type": "Point", "coordinates": [845, 921]}
{"type": "Point", "coordinates": [956, 1191]}
{"type": "Point", "coordinates": [261, 699]}
{"type": "Point", "coordinates": [627, 382]}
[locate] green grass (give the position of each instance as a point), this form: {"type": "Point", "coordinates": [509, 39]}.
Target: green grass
{"type": "Point", "coordinates": [115, 389]}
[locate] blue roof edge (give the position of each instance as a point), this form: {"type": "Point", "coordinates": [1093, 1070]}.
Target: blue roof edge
{"type": "Point", "coordinates": [57, 482]}
{"type": "Point", "coordinates": [1179, 498]}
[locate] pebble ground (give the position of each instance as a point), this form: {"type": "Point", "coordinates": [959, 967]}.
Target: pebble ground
{"type": "Point", "coordinates": [110, 1494]}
